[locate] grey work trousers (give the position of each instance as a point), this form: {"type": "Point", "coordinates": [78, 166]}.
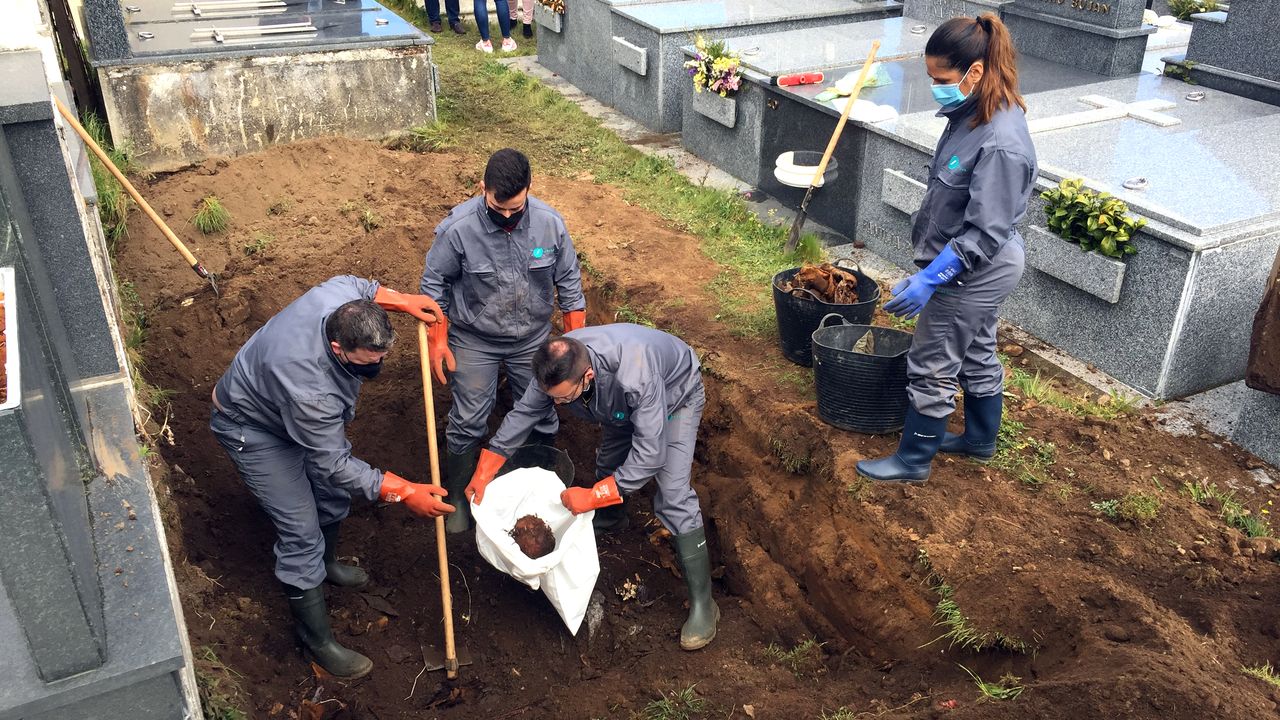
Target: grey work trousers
{"type": "Point", "coordinates": [475, 384]}
{"type": "Point", "coordinates": [275, 471]}
{"type": "Point", "coordinates": [675, 503]}
{"type": "Point", "coordinates": [955, 337]}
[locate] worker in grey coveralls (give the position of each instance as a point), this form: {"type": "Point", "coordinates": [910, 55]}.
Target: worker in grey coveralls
{"type": "Point", "coordinates": [966, 241]}
{"type": "Point", "coordinates": [281, 410]}
{"type": "Point", "coordinates": [499, 263]}
{"type": "Point", "coordinates": [644, 388]}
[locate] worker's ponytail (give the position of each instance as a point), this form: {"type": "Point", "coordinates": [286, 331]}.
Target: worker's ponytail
{"type": "Point", "coordinates": [964, 41]}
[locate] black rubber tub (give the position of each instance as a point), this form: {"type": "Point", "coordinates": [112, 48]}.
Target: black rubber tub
{"type": "Point", "coordinates": [856, 391]}
{"type": "Point", "coordinates": [799, 317]}
{"type": "Point", "coordinates": [541, 456]}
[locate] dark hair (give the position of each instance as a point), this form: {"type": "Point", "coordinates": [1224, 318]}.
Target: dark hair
{"type": "Point", "coordinates": [963, 41]}
{"type": "Point", "coordinates": [560, 359]}
{"type": "Point", "coordinates": [507, 174]}
{"type": "Point", "coordinates": [360, 325]}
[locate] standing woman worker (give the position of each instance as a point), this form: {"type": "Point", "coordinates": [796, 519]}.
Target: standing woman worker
{"type": "Point", "coordinates": [966, 241]}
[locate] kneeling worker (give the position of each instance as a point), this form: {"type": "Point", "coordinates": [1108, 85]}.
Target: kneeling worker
{"type": "Point", "coordinates": [643, 386]}
{"type": "Point", "coordinates": [281, 410]}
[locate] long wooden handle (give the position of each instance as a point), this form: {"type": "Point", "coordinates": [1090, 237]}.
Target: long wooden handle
{"type": "Point", "coordinates": [128, 187]}
{"type": "Point", "coordinates": [844, 116]}
{"type": "Point", "coordinates": [446, 595]}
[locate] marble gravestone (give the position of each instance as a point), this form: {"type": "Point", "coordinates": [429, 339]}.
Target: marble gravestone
{"type": "Point", "coordinates": [1102, 36]}
{"type": "Point", "coordinates": [1236, 51]}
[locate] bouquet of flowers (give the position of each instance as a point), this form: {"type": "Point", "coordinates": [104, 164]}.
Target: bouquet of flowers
{"type": "Point", "coordinates": [715, 68]}
{"type": "Point", "coordinates": [555, 6]}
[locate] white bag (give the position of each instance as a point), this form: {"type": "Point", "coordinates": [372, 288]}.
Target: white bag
{"type": "Point", "coordinates": [568, 574]}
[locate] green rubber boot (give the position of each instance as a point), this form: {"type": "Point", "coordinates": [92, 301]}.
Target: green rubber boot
{"type": "Point", "coordinates": [336, 573]}
{"type": "Point", "coordinates": [311, 623]}
{"type": "Point", "coordinates": [458, 469]}
{"type": "Point", "coordinates": [700, 628]}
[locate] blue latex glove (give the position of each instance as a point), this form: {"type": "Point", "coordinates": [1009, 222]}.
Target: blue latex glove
{"type": "Point", "coordinates": [911, 295]}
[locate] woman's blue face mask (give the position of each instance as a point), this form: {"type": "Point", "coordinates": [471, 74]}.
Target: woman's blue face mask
{"type": "Point", "coordinates": [948, 95]}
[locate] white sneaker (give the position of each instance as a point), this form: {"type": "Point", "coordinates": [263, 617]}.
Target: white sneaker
{"type": "Point", "coordinates": [508, 45]}
{"type": "Point", "coordinates": [484, 46]}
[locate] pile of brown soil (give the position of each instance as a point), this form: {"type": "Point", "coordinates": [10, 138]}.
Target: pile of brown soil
{"type": "Point", "coordinates": [1118, 619]}
{"type": "Point", "coordinates": [534, 536]}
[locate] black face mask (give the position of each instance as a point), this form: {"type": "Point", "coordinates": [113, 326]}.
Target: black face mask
{"type": "Point", "coordinates": [368, 372]}
{"type": "Point", "coordinates": [506, 223]}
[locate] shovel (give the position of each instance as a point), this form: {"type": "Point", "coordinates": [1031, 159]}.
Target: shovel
{"type": "Point", "coordinates": [794, 238]}
{"type": "Point", "coordinates": [434, 660]}
{"type": "Point", "coordinates": [133, 193]}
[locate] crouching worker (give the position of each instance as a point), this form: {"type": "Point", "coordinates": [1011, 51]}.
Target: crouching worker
{"type": "Point", "coordinates": [281, 410]}
{"type": "Point", "coordinates": [643, 387]}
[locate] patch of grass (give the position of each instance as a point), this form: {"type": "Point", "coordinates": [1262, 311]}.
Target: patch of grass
{"type": "Point", "coordinates": [369, 221]}
{"type": "Point", "coordinates": [797, 378]}
{"type": "Point", "coordinates": [1023, 456]}
{"type": "Point", "coordinates": [348, 207]}
{"type": "Point", "coordinates": [211, 216]}
{"type": "Point", "coordinates": [113, 202]}
{"type": "Point", "coordinates": [436, 136]}
{"type": "Point", "coordinates": [1263, 672]}
{"type": "Point", "coordinates": [1138, 507]}
{"type": "Point", "coordinates": [1044, 392]}
{"type": "Point", "coordinates": [843, 713]}
{"type": "Point", "coordinates": [1007, 689]}
{"type": "Point", "coordinates": [258, 243]}
{"type": "Point", "coordinates": [1230, 510]}
{"type": "Point", "coordinates": [960, 630]}
{"type": "Point", "coordinates": [859, 487]}
{"type": "Point", "coordinates": [676, 705]}
{"type": "Point", "coordinates": [796, 463]}
{"type": "Point", "coordinates": [219, 686]}
{"type": "Point", "coordinates": [627, 314]}
{"type": "Point", "coordinates": [280, 206]}
{"type": "Point", "coordinates": [803, 660]}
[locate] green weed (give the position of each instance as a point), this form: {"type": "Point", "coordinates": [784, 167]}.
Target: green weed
{"type": "Point", "coordinates": [1138, 507]}
{"type": "Point", "coordinates": [803, 660]}
{"type": "Point", "coordinates": [959, 629]}
{"type": "Point", "coordinates": [436, 136]}
{"type": "Point", "coordinates": [903, 323]}
{"type": "Point", "coordinates": [211, 216]}
{"type": "Point", "coordinates": [369, 221]}
{"type": "Point", "coordinates": [1043, 391]}
{"type": "Point", "coordinates": [260, 242]}
{"type": "Point", "coordinates": [627, 314]}
{"type": "Point", "coordinates": [676, 705]}
{"type": "Point", "coordinates": [796, 463]}
{"type": "Point", "coordinates": [1231, 510]}
{"type": "Point", "coordinates": [219, 687]}
{"type": "Point", "coordinates": [1023, 456]}
{"type": "Point", "coordinates": [1263, 672]}
{"type": "Point", "coordinates": [280, 206]}
{"type": "Point", "coordinates": [1007, 689]}
{"type": "Point", "coordinates": [348, 207]}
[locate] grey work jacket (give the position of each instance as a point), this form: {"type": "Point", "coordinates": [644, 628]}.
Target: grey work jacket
{"type": "Point", "coordinates": [287, 381]}
{"type": "Point", "coordinates": [500, 285]}
{"type": "Point", "coordinates": [979, 184]}
{"type": "Point", "coordinates": [642, 376]}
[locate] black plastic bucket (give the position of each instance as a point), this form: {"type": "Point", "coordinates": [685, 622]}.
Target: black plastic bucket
{"type": "Point", "coordinates": [798, 317]}
{"type": "Point", "coordinates": [541, 456]}
{"type": "Point", "coordinates": [856, 391]}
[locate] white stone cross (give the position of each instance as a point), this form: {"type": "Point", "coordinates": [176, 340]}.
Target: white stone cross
{"type": "Point", "coordinates": [1106, 110]}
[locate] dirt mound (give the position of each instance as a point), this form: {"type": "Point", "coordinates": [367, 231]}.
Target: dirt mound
{"type": "Point", "coordinates": [1099, 617]}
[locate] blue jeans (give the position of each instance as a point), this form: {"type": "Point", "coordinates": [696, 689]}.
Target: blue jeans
{"type": "Point", "coordinates": [504, 17]}
{"type": "Point", "coordinates": [450, 7]}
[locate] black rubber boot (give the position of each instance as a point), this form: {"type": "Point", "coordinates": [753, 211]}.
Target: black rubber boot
{"type": "Point", "coordinates": [921, 436]}
{"type": "Point", "coordinates": [347, 576]}
{"type": "Point", "coordinates": [458, 469]}
{"type": "Point", "coordinates": [611, 519]}
{"type": "Point", "coordinates": [311, 623]}
{"type": "Point", "coordinates": [527, 31]}
{"type": "Point", "coordinates": [981, 425]}
{"type": "Point", "coordinates": [700, 629]}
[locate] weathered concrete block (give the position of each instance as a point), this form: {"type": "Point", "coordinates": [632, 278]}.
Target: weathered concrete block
{"type": "Point", "coordinates": [1091, 272]}
{"type": "Point", "coordinates": [723, 110]}
{"type": "Point", "coordinates": [631, 57]}
{"type": "Point", "coordinates": [178, 113]}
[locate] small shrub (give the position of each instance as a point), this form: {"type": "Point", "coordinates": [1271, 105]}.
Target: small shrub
{"type": "Point", "coordinates": [1184, 9]}
{"type": "Point", "coordinates": [211, 216]}
{"type": "Point", "coordinates": [260, 242]}
{"type": "Point", "coordinates": [1094, 221]}
{"type": "Point", "coordinates": [369, 221]}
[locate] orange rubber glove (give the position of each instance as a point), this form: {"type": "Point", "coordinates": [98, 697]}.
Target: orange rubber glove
{"type": "Point", "coordinates": [486, 470]}
{"type": "Point", "coordinates": [575, 319]}
{"type": "Point", "coordinates": [419, 306]}
{"type": "Point", "coordinates": [602, 494]}
{"type": "Point", "coordinates": [438, 352]}
{"type": "Point", "coordinates": [419, 497]}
